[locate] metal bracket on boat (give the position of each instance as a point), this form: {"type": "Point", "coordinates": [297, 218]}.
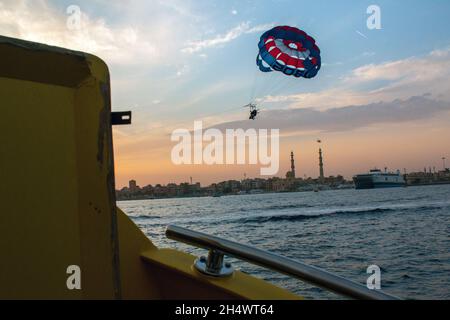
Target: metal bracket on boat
{"type": "Point", "coordinates": [120, 118]}
{"type": "Point", "coordinates": [218, 247]}
{"type": "Point", "coordinates": [213, 265]}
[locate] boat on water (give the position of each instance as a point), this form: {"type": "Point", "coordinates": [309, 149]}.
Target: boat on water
{"type": "Point", "coordinates": [378, 179]}
{"type": "Point", "coordinates": [62, 235]}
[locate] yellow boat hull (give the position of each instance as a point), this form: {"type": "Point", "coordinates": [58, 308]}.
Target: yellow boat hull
{"type": "Point", "coordinates": [58, 193]}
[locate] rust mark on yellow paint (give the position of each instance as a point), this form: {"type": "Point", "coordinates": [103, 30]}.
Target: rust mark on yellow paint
{"type": "Point", "coordinates": [104, 122]}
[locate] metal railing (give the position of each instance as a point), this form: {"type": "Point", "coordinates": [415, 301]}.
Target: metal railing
{"type": "Point", "coordinates": [218, 247]}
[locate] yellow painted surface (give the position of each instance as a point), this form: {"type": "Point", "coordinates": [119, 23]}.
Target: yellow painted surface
{"type": "Point", "coordinates": [152, 273]}
{"type": "Point", "coordinates": [57, 192]}
{"type": "Point", "coordinates": [56, 170]}
{"type": "Point", "coordinates": [137, 280]}
{"type": "Point", "coordinates": [185, 282]}
{"type": "Point", "coordinates": [39, 218]}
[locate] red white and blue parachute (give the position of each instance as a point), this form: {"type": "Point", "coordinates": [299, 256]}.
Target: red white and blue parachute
{"type": "Point", "coordinates": [289, 50]}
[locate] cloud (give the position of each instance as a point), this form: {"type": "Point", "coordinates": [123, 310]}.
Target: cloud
{"type": "Point", "coordinates": [399, 79]}
{"type": "Point", "coordinates": [368, 54]}
{"type": "Point", "coordinates": [234, 33]}
{"type": "Point", "coordinates": [416, 108]}
{"type": "Point", "coordinates": [132, 40]}
{"type": "Point", "coordinates": [415, 69]}
{"type": "Point", "coordinates": [183, 71]}
{"type": "Point", "coordinates": [40, 22]}
{"type": "Point", "coordinates": [234, 12]}
{"type": "Point", "coordinates": [178, 8]}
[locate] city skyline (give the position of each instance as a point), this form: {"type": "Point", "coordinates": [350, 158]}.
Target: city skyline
{"type": "Point", "coordinates": [290, 174]}
{"type": "Point", "coordinates": [381, 98]}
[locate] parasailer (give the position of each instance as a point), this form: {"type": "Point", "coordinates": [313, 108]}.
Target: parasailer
{"type": "Point", "coordinates": [286, 50]}
{"type": "Point", "coordinates": [253, 110]}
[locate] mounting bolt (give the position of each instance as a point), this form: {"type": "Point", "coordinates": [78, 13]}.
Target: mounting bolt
{"type": "Point", "coordinates": [214, 265]}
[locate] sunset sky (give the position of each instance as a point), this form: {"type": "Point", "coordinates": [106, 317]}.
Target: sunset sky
{"type": "Point", "coordinates": [381, 99]}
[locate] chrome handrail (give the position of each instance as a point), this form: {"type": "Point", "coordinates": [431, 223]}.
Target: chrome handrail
{"type": "Point", "coordinates": [304, 272]}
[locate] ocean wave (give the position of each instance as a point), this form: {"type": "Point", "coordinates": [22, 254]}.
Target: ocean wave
{"type": "Point", "coordinates": [279, 207]}
{"type": "Point", "coordinates": [410, 198]}
{"type": "Point", "coordinates": [299, 217]}
{"type": "Point", "coordinates": [427, 208]}
{"type": "Point", "coordinates": [144, 217]}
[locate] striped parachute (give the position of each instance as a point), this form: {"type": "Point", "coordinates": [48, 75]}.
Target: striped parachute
{"type": "Point", "coordinates": [289, 50]}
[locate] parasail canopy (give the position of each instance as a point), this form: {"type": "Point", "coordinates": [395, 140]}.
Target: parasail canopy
{"type": "Point", "coordinates": [289, 50]}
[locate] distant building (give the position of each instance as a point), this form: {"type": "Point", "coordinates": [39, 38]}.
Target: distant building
{"type": "Point", "coordinates": [321, 174]}
{"type": "Point", "coordinates": [133, 186]}
{"type": "Point", "coordinates": [427, 178]}
{"type": "Point", "coordinates": [291, 174]}
{"type": "Point", "coordinates": [283, 185]}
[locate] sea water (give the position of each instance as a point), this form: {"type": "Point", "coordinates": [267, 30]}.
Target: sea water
{"type": "Point", "coordinates": [404, 231]}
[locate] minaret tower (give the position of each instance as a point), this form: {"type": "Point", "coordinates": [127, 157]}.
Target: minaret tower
{"type": "Point", "coordinates": [321, 178]}
{"type": "Point", "coordinates": [292, 164]}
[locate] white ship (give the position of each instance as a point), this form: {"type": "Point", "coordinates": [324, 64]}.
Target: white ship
{"type": "Point", "coordinates": [378, 179]}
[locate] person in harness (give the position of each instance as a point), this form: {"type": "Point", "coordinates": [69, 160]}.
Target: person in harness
{"type": "Point", "coordinates": [253, 111]}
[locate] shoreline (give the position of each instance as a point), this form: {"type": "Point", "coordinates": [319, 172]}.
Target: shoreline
{"type": "Point", "coordinates": [267, 192]}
